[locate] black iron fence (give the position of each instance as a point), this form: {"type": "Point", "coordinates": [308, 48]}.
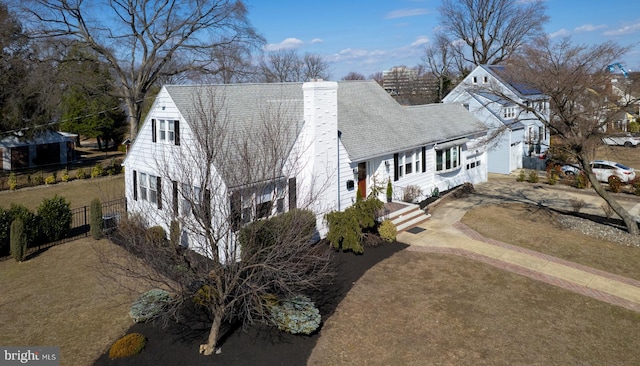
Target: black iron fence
{"type": "Point", "coordinates": [111, 213]}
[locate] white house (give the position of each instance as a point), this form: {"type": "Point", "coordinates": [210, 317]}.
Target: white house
{"type": "Point", "coordinates": [517, 134]}
{"type": "Point", "coordinates": [324, 141]}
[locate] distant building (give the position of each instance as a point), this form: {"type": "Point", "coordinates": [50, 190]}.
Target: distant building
{"type": "Point", "coordinates": [43, 149]}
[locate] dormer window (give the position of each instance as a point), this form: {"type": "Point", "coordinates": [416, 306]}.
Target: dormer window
{"type": "Point", "coordinates": [509, 112]}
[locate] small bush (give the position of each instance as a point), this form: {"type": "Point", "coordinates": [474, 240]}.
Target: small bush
{"type": "Point", "coordinates": [608, 211]}
{"type": "Point", "coordinates": [533, 176]}
{"type": "Point", "coordinates": [522, 175]}
{"type": "Point", "coordinates": [18, 240]}
{"type": "Point", "coordinates": [581, 181]}
{"type": "Point", "coordinates": [81, 173]}
{"type": "Point", "coordinates": [149, 305]}
{"type": "Point", "coordinates": [97, 171]}
{"type": "Point", "coordinates": [577, 204]}
{"type": "Point", "coordinates": [296, 315]}
{"type": "Point", "coordinates": [65, 175]}
{"type": "Point", "coordinates": [344, 230]}
{"type": "Point", "coordinates": [96, 219]}
{"type": "Point", "coordinates": [205, 296]}
{"type": "Point", "coordinates": [30, 220]}
{"type": "Point", "coordinates": [411, 193]}
{"type": "Point", "coordinates": [388, 231]}
{"type": "Point", "coordinates": [615, 184]}
{"type": "Point", "coordinates": [38, 179]}
{"type": "Point", "coordinates": [51, 179]}
{"type": "Point", "coordinates": [12, 181]}
{"type": "Point", "coordinates": [127, 346]}
{"type": "Point", "coordinates": [5, 230]}
{"type": "Point", "coordinates": [156, 235]}
{"type": "Point", "coordinates": [55, 218]}
{"type": "Point", "coordinates": [553, 173]}
{"type": "Point", "coordinates": [635, 183]}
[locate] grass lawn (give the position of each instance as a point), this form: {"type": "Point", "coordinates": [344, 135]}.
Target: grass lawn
{"type": "Point", "coordinates": [60, 298]}
{"type": "Point", "coordinates": [77, 192]}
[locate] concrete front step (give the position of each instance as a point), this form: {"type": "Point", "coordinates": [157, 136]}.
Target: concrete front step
{"type": "Point", "coordinates": [408, 217]}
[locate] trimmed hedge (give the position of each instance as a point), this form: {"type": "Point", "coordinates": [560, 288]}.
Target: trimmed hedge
{"type": "Point", "coordinates": [55, 218]}
{"type": "Point", "coordinates": [96, 219]}
{"type": "Point", "coordinates": [18, 240]}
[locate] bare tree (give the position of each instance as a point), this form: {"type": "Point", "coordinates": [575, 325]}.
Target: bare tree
{"type": "Point", "coordinates": [288, 66]}
{"type": "Point", "coordinates": [492, 29]}
{"type": "Point", "coordinates": [577, 81]}
{"type": "Point", "coordinates": [353, 76]}
{"type": "Point", "coordinates": [378, 77]}
{"type": "Point", "coordinates": [139, 38]}
{"type": "Point", "coordinates": [438, 58]}
{"type": "Point", "coordinates": [229, 184]}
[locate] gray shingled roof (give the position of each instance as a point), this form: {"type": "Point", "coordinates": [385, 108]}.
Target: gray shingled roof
{"type": "Point", "coordinates": [372, 122]}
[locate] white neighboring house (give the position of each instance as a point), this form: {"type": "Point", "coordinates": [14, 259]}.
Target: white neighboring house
{"type": "Point", "coordinates": [45, 148]}
{"type": "Point", "coordinates": [519, 134]}
{"type": "Point", "coordinates": [344, 136]}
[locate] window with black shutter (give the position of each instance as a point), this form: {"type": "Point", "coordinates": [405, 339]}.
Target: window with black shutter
{"type": "Point", "coordinates": [396, 167]}
{"type": "Point", "coordinates": [135, 185]}
{"type": "Point", "coordinates": [293, 199]}
{"type": "Point", "coordinates": [153, 130]}
{"type": "Point", "coordinates": [176, 124]}
{"type": "Point", "coordinates": [159, 190]}
{"type": "Point", "coordinates": [175, 197]}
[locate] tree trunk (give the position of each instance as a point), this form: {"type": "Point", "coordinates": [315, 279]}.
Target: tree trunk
{"type": "Point", "coordinates": [629, 221]}
{"type": "Point", "coordinates": [133, 109]}
{"type": "Point", "coordinates": [208, 348]}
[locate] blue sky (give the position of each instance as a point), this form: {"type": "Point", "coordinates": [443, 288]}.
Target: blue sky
{"type": "Point", "coordinates": [373, 35]}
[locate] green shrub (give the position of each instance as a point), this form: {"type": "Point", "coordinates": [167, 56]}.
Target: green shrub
{"type": "Point", "coordinates": [81, 173]}
{"type": "Point", "coordinates": [51, 179]}
{"type": "Point", "coordinates": [30, 221]}
{"type": "Point", "coordinates": [38, 179]}
{"type": "Point", "coordinates": [18, 240]}
{"type": "Point", "coordinates": [156, 235]}
{"type": "Point", "coordinates": [65, 175]}
{"type": "Point", "coordinates": [149, 305]}
{"type": "Point", "coordinates": [205, 296]}
{"type": "Point", "coordinates": [12, 181]}
{"type": "Point", "coordinates": [533, 177]}
{"type": "Point", "coordinates": [174, 233]}
{"type": "Point", "coordinates": [96, 219]}
{"type": "Point", "coordinates": [522, 175]}
{"type": "Point", "coordinates": [553, 173]}
{"type": "Point", "coordinates": [297, 315]}
{"type": "Point", "coordinates": [581, 181]}
{"type": "Point", "coordinates": [5, 228]}
{"type": "Point", "coordinates": [97, 171]}
{"type": "Point", "coordinates": [389, 190]}
{"type": "Point", "coordinates": [344, 230]}
{"type": "Point", "coordinates": [615, 184]}
{"type": "Point", "coordinates": [388, 231]}
{"type": "Point", "coordinates": [127, 346]}
{"type": "Point", "coordinates": [634, 127]}
{"type": "Point", "coordinates": [367, 210]}
{"type": "Point", "coordinates": [55, 217]}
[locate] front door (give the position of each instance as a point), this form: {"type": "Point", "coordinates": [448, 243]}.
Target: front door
{"type": "Point", "coordinates": [362, 179]}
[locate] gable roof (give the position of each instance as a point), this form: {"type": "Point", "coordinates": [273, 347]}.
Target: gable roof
{"type": "Point", "coordinates": [518, 87]}
{"type": "Point", "coordinates": [371, 122]}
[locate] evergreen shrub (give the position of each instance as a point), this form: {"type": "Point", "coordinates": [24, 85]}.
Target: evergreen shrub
{"type": "Point", "coordinates": [127, 346]}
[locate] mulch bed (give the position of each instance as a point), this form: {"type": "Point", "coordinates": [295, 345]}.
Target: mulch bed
{"type": "Point", "coordinates": [177, 344]}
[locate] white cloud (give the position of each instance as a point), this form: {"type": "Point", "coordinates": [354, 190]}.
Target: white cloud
{"type": "Point", "coordinates": [401, 13]}
{"type": "Point", "coordinates": [287, 44]}
{"type": "Point", "coordinates": [589, 27]}
{"type": "Point", "coordinates": [561, 33]}
{"type": "Point", "coordinates": [316, 40]}
{"type": "Point", "coordinates": [624, 30]}
{"type": "Point", "coordinates": [420, 41]}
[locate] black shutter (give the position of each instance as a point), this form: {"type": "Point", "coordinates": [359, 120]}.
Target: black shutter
{"type": "Point", "coordinates": [207, 205]}
{"type": "Point", "coordinates": [135, 185]}
{"type": "Point", "coordinates": [396, 169]}
{"type": "Point", "coordinates": [424, 159]}
{"type": "Point", "coordinates": [176, 127]}
{"type": "Point", "coordinates": [293, 198]}
{"type": "Point", "coordinates": [159, 190]}
{"type": "Point", "coordinates": [153, 130]}
{"type": "Point", "coordinates": [175, 197]}
{"type": "Point", "coordinates": [236, 211]}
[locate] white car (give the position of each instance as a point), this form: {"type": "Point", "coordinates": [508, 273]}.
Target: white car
{"type": "Point", "coordinates": [603, 169]}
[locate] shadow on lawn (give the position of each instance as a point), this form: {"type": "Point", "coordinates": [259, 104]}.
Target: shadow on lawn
{"type": "Point", "coordinates": [177, 344]}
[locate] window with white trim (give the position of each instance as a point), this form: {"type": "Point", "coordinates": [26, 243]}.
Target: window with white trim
{"type": "Point", "coordinates": [166, 130]}
{"type": "Point", "coordinates": [509, 112]}
{"type": "Point", "coordinates": [148, 187]}
{"type": "Point", "coordinates": [409, 163]}
{"type": "Point", "coordinates": [448, 159]}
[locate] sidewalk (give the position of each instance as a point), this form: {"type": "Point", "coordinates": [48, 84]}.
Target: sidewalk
{"type": "Point", "coordinates": [444, 233]}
